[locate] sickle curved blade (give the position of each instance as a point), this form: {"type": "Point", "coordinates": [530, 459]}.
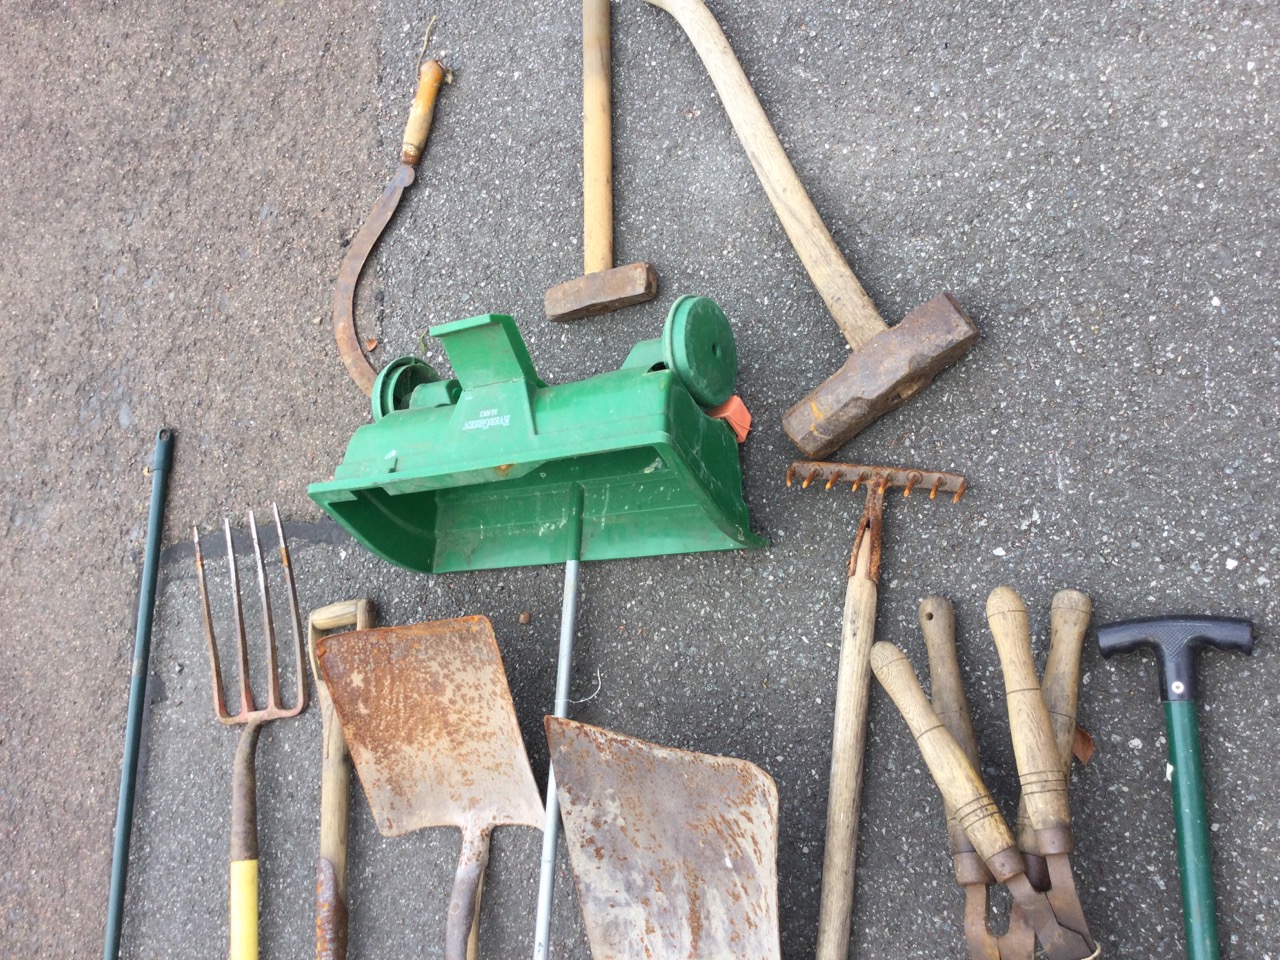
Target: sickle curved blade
{"type": "Point", "coordinates": [344, 307]}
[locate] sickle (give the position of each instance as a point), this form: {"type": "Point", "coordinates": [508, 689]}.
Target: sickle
{"type": "Point", "coordinates": [430, 76]}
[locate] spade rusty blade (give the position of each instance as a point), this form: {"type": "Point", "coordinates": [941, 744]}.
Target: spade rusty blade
{"type": "Point", "coordinates": [674, 853]}
{"type": "Point", "coordinates": [432, 732]}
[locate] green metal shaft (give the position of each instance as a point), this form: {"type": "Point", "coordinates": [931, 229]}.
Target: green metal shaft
{"type": "Point", "coordinates": [1191, 818]}
{"type": "Point", "coordinates": [137, 694]}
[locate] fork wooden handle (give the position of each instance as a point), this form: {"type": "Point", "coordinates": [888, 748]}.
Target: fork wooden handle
{"type": "Point", "coordinates": [243, 898]}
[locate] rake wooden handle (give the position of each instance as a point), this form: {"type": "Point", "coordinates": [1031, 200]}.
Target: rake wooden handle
{"type": "Point", "coordinates": [848, 740]}
{"type": "Point", "coordinates": [938, 624]}
{"type": "Point", "coordinates": [430, 76]}
{"type": "Point", "coordinates": [852, 309]}
{"type": "Point", "coordinates": [335, 786]}
{"type": "Point", "coordinates": [1044, 788]}
{"type": "Point", "coordinates": [597, 136]}
{"type": "Point", "coordinates": [962, 788]}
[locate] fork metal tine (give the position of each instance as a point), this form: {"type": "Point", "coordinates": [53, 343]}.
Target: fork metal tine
{"type": "Point", "coordinates": [248, 712]}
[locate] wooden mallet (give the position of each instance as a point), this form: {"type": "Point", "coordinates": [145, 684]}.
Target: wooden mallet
{"type": "Point", "coordinates": [603, 288]}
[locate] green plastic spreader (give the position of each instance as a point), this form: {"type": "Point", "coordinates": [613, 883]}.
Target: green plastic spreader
{"type": "Point", "coordinates": [497, 469]}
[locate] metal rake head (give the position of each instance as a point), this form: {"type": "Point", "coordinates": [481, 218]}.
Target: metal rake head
{"type": "Point", "coordinates": [247, 712]}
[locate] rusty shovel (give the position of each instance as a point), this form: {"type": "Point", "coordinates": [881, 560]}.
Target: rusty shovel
{"type": "Point", "coordinates": [432, 732]}
{"type": "Point", "coordinates": [674, 853]}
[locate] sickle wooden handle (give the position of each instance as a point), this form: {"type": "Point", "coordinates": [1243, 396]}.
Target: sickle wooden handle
{"type": "Point", "coordinates": [430, 76]}
{"type": "Point", "coordinates": [938, 624]}
{"type": "Point", "coordinates": [1044, 787]}
{"type": "Point", "coordinates": [962, 788]}
{"type": "Point", "coordinates": [852, 309]}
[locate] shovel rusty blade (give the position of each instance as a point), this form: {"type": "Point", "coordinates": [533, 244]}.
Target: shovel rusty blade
{"type": "Point", "coordinates": [430, 725]}
{"type": "Point", "coordinates": [674, 853]}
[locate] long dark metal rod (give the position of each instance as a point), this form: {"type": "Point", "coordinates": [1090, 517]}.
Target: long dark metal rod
{"type": "Point", "coordinates": [160, 465]}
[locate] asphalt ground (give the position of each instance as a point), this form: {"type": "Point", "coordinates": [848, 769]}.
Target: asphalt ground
{"type": "Point", "coordinates": [1096, 185]}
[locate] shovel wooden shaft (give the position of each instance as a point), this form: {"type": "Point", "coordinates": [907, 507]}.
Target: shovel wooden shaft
{"type": "Point", "coordinates": [335, 787]}
{"type": "Point", "coordinates": [461, 935]}
{"type": "Point", "coordinates": [597, 135]}
{"type": "Point", "coordinates": [852, 309]}
{"type": "Point", "coordinates": [848, 740]}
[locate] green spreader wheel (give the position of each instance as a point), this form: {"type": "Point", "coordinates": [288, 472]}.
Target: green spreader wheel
{"type": "Point", "coordinates": [396, 382]}
{"type": "Point", "coordinates": [698, 346]}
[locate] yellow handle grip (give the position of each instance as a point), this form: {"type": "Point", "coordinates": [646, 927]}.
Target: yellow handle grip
{"type": "Point", "coordinates": [244, 910]}
{"type": "Point", "coordinates": [430, 76]}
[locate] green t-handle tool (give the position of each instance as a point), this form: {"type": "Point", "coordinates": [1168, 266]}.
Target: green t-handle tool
{"type": "Point", "coordinates": [1176, 641]}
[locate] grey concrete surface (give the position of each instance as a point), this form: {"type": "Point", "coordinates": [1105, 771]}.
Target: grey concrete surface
{"type": "Point", "coordinates": [1095, 184]}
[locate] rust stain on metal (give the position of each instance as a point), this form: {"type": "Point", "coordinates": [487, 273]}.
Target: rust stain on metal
{"type": "Point", "coordinates": [429, 723]}
{"type": "Point", "coordinates": [674, 853]}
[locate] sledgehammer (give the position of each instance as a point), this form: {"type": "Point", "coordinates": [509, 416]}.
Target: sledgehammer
{"type": "Point", "coordinates": [1175, 642]}
{"type": "Point", "coordinates": [603, 287]}
{"type": "Point", "coordinates": [888, 365]}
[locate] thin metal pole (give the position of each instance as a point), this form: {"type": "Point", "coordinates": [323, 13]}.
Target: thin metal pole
{"type": "Point", "coordinates": [564, 669]}
{"type": "Point", "coordinates": [137, 692]}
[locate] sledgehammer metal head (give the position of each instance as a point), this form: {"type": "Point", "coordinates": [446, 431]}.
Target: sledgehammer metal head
{"type": "Point", "coordinates": [881, 375]}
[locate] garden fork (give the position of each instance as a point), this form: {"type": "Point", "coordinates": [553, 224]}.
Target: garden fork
{"type": "Point", "coordinates": [243, 899]}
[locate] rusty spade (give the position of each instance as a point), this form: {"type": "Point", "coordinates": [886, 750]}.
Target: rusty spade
{"type": "Point", "coordinates": [432, 731]}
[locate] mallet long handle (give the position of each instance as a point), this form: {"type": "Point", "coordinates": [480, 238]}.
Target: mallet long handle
{"type": "Point", "coordinates": [848, 740]}
{"type": "Point", "coordinates": [852, 309]}
{"type": "Point", "coordinates": [1044, 787]}
{"type": "Point", "coordinates": [597, 136]}
{"type": "Point", "coordinates": [962, 788]}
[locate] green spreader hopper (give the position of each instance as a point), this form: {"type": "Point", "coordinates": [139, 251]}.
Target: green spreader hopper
{"type": "Point", "coordinates": [497, 469]}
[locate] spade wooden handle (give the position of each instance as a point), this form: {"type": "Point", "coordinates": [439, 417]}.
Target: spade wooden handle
{"type": "Point", "coordinates": [962, 788]}
{"type": "Point", "coordinates": [335, 786]}
{"type": "Point", "coordinates": [852, 309]}
{"type": "Point", "coordinates": [430, 76]}
{"type": "Point", "coordinates": [1044, 787]}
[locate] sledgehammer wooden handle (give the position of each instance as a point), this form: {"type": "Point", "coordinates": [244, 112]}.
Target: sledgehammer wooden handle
{"type": "Point", "coordinates": [849, 304]}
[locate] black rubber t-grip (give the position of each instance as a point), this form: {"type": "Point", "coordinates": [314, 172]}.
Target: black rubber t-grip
{"type": "Point", "coordinates": [1176, 641]}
